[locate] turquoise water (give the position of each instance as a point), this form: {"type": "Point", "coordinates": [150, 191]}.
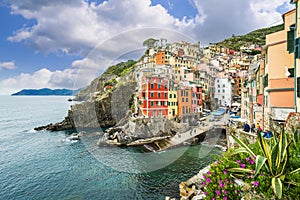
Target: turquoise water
{"type": "Point", "coordinates": [46, 165]}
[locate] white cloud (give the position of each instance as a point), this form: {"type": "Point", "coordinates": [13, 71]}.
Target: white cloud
{"type": "Point", "coordinates": [8, 65]}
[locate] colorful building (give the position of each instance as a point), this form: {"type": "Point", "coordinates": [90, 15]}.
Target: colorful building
{"type": "Point", "coordinates": [172, 104]}
{"type": "Point", "coordinates": [154, 96]}
{"type": "Point", "coordinates": [184, 95]}
{"type": "Point", "coordinates": [278, 76]}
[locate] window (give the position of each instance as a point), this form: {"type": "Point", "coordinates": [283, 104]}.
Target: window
{"type": "Point", "coordinates": [218, 91]}
{"type": "Point", "coordinates": [166, 103]}
{"type": "Point", "coordinates": [186, 93]}
{"type": "Point", "coordinates": [158, 94]}
{"type": "Point", "coordinates": [151, 94]}
{"type": "Point", "coordinates": [170, 96]}
{"type": "Point", "coordinates": [166, 87]}
{"type": "Point", "coordinates": [291, 39]}
{"type": "Point", "coordinates": [186, 100]}
{"type": "Point", "coordinates": [291, 71]}
{"type": "Point", "coordinates": [298, 87]}
{"type": "Point", "coordinates": [151, 103]}
{"type": "Point", "coordinates": [218, 86]}
{"type": "Point", "coordinates": [174, 95]}
{"type": "Point", "coordinates": [182, 93]}
{"type": "Point", "coordinates": [182, 109]}
{"type": "Point", "coordinates": [223, 91]}
{"type": "Point", "coordinates": [166, 95]}
{"type": "Point", "coordinates": [186, 110]}
{"type": "Point", "coordinates": [158, 86]}
{"type": "Point", "coordinates": [152, 86]}
{"type": "Point", "coordinates": [223, 85]}
{"type": "Point", "coordinates": [182, 99]}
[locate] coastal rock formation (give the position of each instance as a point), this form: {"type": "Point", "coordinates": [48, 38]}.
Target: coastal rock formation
{"type": "Point", "coordinates": [101, 108]}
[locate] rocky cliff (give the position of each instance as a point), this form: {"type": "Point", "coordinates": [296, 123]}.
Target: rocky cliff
{"type": "Point", "coordinates": [104, 103]}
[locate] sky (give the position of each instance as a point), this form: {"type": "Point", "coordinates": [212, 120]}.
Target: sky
{"type": "Point", "coordinates": [66, 44]}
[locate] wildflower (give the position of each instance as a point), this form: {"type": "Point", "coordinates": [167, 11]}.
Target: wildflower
{"type": "Point", "coordinates": [252, 162]}
{"type": "Point", "coordinates": [204, 176]}
{"type": "Point", "coordinates": [225, 198]}
{"type": "Point", "coordinates": [212, 198]}
{"type": "Point", "coordinates": [224, 191]}
{"type": "Point", "coordinates": [248, 159]}
{"type": "Point", "coordinates": [242, 165]}
{"type": "Point", "coordinates": [238, 161]}
{"type": "Point", "coordinates": [252, 171]}
{"type": "Point", "coordinates": [235, 191]}
{"type": "Point", "coordinates": [218, 192]}
{"type": "Point", "coordinates": [208, 173]}
{"type": "Point", "coordinates": [225, 172]}
{"type": "Point", "coordinates": [231, 181]}
{"type": "Point", "coordinates": [208, 180]}
{"type": "Point", "coordinates": [217, 161]}
{"type": "Point", "coordinates": [221, 184]}
{"type": "Point", "coordinates": [205, 193]}
{"type": "Point", "coordinates": [256, 183]}
{"type": "Point", "coordinates": [254, 157]}
{"type": "Point", "coordinates": [226, 179]}
{"type": "Point", "coordinates": [261, 174]}
{"type": "Point", "coordinates": [204, 183]}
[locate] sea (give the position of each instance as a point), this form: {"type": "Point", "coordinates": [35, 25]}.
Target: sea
{"type": "Point", "coordinates": [49, 165]}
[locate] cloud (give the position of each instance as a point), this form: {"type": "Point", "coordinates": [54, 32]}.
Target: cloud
{"type": "Point", "coordinates": [79, 75]}
{"type": "Point", "coordinates": [8, 65]}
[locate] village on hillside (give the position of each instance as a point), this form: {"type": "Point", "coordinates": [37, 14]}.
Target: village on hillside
{"type": "Point", "coordinates": [181, 78]}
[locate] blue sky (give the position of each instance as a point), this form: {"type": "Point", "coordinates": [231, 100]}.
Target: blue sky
{"type": "Point", "coordinates": [52, 43]}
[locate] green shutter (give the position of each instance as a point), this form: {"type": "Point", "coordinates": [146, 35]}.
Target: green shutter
{"type": "Point", "coordinates": [290, 41]}
{"type": "Point", "coordinates": [298, 87]}
{"type": "Point", "coordinates": [297, 46]}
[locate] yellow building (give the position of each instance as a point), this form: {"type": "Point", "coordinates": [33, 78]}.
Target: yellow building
{"type": "Point", "coordinates": [172, 104]}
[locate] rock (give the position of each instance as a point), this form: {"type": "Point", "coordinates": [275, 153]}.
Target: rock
{"type": "Point", "coordinates": [185, 191]}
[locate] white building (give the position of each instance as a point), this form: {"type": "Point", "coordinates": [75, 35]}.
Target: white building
{"type": "Point", "coordinates": [223, 91]}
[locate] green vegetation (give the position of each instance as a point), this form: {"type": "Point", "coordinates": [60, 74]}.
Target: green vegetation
{"type": "Point", "coordinates": [149, 42]}
{"type": "Point", "coordinates": [120, 68]}
{"type": "Point", "coordinates": [257, 37]}
{"type": "Point", "coordinates": [267, 169]}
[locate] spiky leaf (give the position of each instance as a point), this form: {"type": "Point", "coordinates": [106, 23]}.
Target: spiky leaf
{"type": "Point", "coordinates": [242, 144]}
{"type": "Point", "coordinates": [277, 187]}
{"type": "Point", "coordinates": [259, 162]}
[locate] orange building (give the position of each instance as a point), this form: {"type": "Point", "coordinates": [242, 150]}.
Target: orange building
{"type": "Point", "coordinates": [162, 58]}
{"type": "Point", "coordinates": [184, 96]}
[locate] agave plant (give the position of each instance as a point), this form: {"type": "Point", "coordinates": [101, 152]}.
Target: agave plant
{"type": "Point", "coordinates": [275, 158]}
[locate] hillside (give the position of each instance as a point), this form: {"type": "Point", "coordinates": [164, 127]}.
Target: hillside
{"type": "Point", "coordinates": [46, 92]}
{"type": "Point", "coordinates": [257, 37]}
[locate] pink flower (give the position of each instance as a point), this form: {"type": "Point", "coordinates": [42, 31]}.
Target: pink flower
{"type": "Point", "coordinates": [212, 198]}
{"type": "Point", "coordinates": [224, 191]}
{"type": "Point", "coordinates": [235, 191]}
{"type": "Point", "coordinates": [238, 161]}
{"type": "Point", "coordinates": [205, 193]}
{"type": "Point", "coordinates": [252, 171]}
{"type": "Point", "coordinates": [218, 192]}
{"type": "Point", "coordinates": [248, 159]}
{"type": "Point", "coordinates": [252, 162]}
{"type": "Point", "coordinates": [208, 172]}
{"type": "Point", "coordinates": [256, 183]}
{"type": "Point", "coordinates": [204, 176]}
{"type": "Point", "coordinates": [225, 172]}
{"type": "Point", "coordinates": [204, 183]}
{"type": "Point", "coordinates": [208, 180]}
{"type": "Point", "coordinates": [261, 174]}
{"type": "Point", "coordinates": [225, 198]}
{"type": "Point", "coordinates": [243, 165]}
